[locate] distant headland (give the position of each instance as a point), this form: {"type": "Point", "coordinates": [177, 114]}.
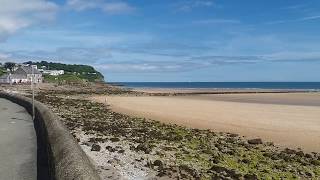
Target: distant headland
{"type": "Point", "coordinates": [52, 72]}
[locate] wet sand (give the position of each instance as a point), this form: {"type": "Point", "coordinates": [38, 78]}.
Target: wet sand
{"type": "Point", "coordinates": [288, 120]}
{"type": "Point", "coordinates": [215, 90]}
{"type": "Point", "coordinates": [300, 99]}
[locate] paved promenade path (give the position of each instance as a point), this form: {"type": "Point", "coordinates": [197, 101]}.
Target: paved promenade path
{"type": "Point", "coordinates": [18, 143]}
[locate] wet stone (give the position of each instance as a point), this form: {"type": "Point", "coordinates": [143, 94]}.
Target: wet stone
{"type": "Point", "coordinates": [144, 147]}
{"type": "Point", "coordinates": [110, 149]}
{"type": "Point", "coordinates": [121, 151]}
{"type": "Point", "coordinates": [114, 139]}
{"type": "Point", "coordinates": [95, 147]}
{"type": "Point", "coordinates": [250, 177]}
{"type": "Point", "coordinates": [255, 141]}
{"type": "Point", "coordinates": [157, 163]}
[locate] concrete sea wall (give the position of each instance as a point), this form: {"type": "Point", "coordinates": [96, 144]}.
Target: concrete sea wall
{"type": "Point", "coordinates": [59, 156]}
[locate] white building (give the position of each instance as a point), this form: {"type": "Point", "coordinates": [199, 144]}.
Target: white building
{"type": "Point", "coordinates": [22, 75]}
{"type": "Point", "coordinates": [52, 72]}
{"type": "Point", "coordinates": [5, 79]}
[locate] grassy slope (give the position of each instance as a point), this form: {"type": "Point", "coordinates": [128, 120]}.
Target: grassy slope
{"type": "Point", "coordinates": [2, 71]}
{"type": "Point", "coordinates": [63, 79]}
{"type": "Point", "coordinates": [72, 78]}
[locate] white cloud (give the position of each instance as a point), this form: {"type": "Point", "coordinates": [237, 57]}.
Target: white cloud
{"type": "Point", "coordinates": [108, 6]}
{"type": "Point", "coordinates": [117, 7]}
{"type": "Point", "coordinates": [18, 14]}
{"type": "Point", "coordinates": [217, 21]}
{"type": "Point", "coordinates": [4, 56]}
{"type": "Point", "coordinates": [191, 4]}
{"type": "Point", "coordinates": [73, 38]}
{"type": "Point", "coordinates": [125, 67]}
{"type": "Point", "coordinates": [294, 56]}
{"type": "Point", "coordinates": [80, 5]}
{"type": "Point", "coordinates": [307, 18]}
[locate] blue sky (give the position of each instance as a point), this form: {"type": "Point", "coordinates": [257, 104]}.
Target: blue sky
{"type": "Point", "coordinates": [168, 40]}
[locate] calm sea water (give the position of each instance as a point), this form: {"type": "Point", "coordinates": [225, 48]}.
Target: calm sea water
{"type": "Point", "coordinates": [237, 85]}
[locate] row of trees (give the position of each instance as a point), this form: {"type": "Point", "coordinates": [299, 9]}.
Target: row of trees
{"type": "Point", "coordinates": [9, 65]}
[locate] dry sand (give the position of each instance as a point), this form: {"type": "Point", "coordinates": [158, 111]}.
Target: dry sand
{"type": "Point", "coordinates": [288, 120]}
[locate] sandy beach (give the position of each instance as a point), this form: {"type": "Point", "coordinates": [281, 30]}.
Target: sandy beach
{"type": "Point", "coordinates": [133, 147]}
{"type": "Point", "coordinates": [289, 120]}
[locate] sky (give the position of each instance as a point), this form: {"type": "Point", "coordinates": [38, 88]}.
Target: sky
{"type": "Point", "coordinates": [168, 40]}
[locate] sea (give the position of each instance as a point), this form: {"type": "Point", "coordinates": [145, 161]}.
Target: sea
{"type": "Point", "coordinates": [224, 85]}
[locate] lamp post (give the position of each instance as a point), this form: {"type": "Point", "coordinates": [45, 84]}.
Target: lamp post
{"type": "Point", "coordinates": [10, 79]}
{"type": "Point", "coordinates": [32, 88]}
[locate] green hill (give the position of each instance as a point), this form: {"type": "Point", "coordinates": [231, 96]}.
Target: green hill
{"type": "Point", "coordinates": [73, 72]}
{"type": "Point", "coordinates": [2, 71]}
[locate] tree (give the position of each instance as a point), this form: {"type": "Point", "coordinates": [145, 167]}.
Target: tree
{"type": "Point", "coordinates": [28, 62]}
{"type": "Point", "coordinates": [9, 65]}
